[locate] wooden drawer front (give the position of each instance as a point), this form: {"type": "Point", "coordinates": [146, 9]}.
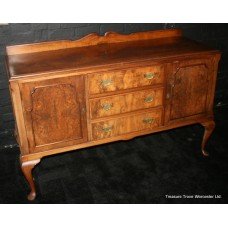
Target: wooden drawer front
{"type": "Point", "coordinates": [124, 125]}
{"type": "Point", "coordinates": [112, 105]}
{"type": "Point", "coordinates": [125, 79]}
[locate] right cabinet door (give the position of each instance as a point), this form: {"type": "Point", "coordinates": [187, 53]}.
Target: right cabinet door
{"type": "Point", "coordinates": [189, 89]}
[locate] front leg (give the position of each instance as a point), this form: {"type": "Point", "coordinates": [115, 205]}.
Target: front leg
{"type": "Point", "coordinates": [27, 168]}
{"type": "Point", "coordinates": [208, 129]}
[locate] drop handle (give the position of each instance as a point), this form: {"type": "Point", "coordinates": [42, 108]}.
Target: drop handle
{"type": "Point", "coordinates": [149, 75]}
{"type": "Point", "coordinates": [106, 82]}
{"type": "Point", "coordinates": [107, 106]}
{"type": "Point", "coordinates": [107, 129]}
{"type": "Point", "coordinates": [148, 120]}
{"type": "Point", "coordinates": [149, 99]}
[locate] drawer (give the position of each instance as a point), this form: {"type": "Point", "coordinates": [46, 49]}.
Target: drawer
{"type": "Point", "coordinates": [117, 104]}
{"type": "Point", "coordinates": [125, 79]}
{"type": "Point", "coordinates": [127, 124]}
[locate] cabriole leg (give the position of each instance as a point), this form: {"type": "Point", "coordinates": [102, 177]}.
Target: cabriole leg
{"type": "Point", "coordinates": [27, 168]}
{"type": "Point", "coordinates": [208, 129]}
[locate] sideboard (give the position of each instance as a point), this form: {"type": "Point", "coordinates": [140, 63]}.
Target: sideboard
{"type": "Point", "coordinates": [68, 95]}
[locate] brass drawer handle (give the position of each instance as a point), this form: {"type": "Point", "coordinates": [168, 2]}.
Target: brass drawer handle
{"type": "Point", "coordinates": [107, 129]}
{"type": "Point", "coordinates": [148, 99]}
{"type": "Point", "coordinates": [107, 106]}
{"type": "Point", "coordinates": [149, 75]}
{"type": "Point", "coordinates": [148, 120]}
{"type": "Point", "coordinates": [106, 82]}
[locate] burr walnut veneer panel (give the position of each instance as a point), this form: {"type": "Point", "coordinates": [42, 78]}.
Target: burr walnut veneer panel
{"type": "Point", "coordinates": [54, 111]}
{"type": "Point", "coordinates": [69, 95]}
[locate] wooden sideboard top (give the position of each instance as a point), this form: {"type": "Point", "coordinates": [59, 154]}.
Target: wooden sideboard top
{"type": "Point", "coordinates": [97, 51]}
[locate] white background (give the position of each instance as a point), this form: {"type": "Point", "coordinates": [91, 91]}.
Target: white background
{"type": "Point", "coordinates": [108, 216]}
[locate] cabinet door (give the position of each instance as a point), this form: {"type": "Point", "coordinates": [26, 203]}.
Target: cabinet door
{"type": "Point", "coordinates": [54, 112]}
{"type": "Point", "coordinates": [190, 89]}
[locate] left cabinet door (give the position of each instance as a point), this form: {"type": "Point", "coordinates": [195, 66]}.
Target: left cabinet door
{"type": "Point", "coordinates": [54, 112]}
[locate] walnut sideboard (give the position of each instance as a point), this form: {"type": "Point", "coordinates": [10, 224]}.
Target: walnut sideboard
{"type": "Point", "coordinates": [68, 95]}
